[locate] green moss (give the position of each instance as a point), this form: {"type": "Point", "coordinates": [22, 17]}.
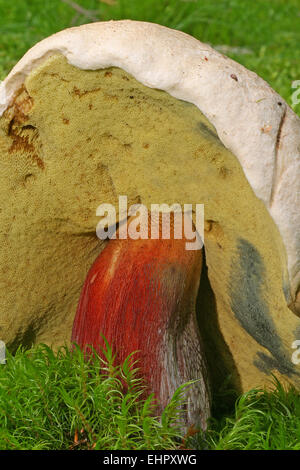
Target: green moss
{"type": "Point", "coordinates": [50, 400]}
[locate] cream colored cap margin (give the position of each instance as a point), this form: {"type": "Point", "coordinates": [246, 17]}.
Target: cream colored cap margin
{"type": "Point", "coordinates": [251, 119]}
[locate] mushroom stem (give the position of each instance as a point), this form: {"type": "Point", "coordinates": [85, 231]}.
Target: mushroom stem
{"type": "Point", "coordinates": [141, 295]}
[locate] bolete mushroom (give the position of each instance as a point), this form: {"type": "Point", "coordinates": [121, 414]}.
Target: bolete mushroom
{"type": "Point", "coordinates": [137, 109]}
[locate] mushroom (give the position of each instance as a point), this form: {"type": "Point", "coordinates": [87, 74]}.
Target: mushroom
{"type": "Point", "coordinates": [137, 109]}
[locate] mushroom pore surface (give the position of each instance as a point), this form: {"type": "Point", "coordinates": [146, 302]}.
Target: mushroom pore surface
{"type": "Point", "coordinates": [74, 139]}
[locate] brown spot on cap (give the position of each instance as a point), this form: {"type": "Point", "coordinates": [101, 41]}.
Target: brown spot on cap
{"type": "Point", "coordinates": [266, 129]}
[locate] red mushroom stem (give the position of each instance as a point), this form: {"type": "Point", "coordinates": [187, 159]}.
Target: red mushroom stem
{"type": "Point", "coordinates": [141, 295]}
